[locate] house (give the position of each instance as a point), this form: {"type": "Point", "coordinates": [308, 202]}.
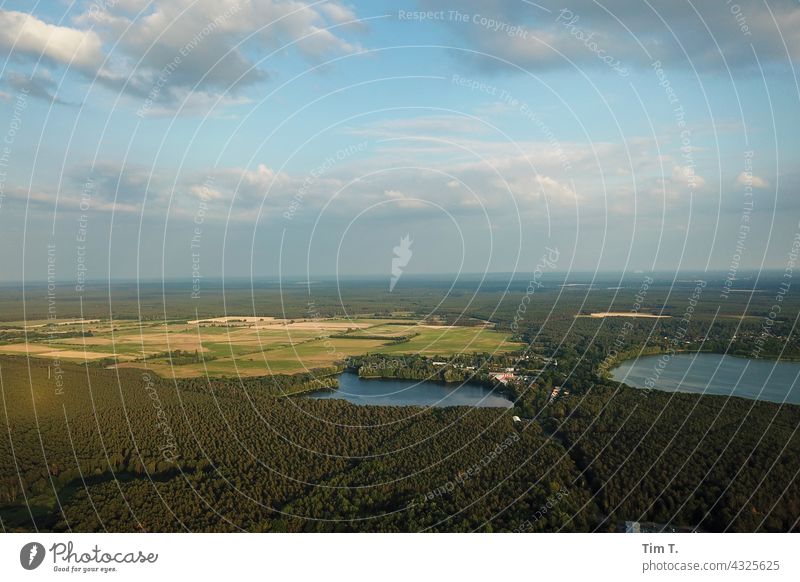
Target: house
{"type": "Point", "coordinates": [502, 377]}
{"type": "Point", "coordinates": [516, 419]}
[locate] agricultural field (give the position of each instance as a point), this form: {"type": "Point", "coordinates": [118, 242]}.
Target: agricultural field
{"type": "Point", "coordinates": [624, 314]}
{"type": "Point", "coordinates": [241, 345]}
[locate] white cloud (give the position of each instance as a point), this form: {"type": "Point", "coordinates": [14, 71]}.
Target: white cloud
{"type": "Point", "coordinates": [463, 174]}
{"type": "Point", "coordinates": [24, 33]}
{"type": "Point", "coordinates": [184, 101]}
{"type": "Point", "coordinates": [210, 36]}
{"type": "Point", "coordinates": [711, 34]}
{"type": "Point", "coordinates": [403, 201]}
{"type": "Point", "coordinates": [685, 176]}
{"type": "Point", "coordinates": [338, 13]}
{"type": "Point", "coordinates": [41, 85]}
{"type": "Point", "coordinates": [208, 47]}
{"type": "Point", "coordinates": [747, 179]}
{"type": "Point", "coordinates": [555, 190]}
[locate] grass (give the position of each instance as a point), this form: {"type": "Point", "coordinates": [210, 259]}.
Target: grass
{"type": "Point", "coordinates": [250, 348]}
{"type": "Point", "coordinates": [452, 340]}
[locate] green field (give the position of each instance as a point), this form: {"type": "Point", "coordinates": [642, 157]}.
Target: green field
{"type": "Point", "coordinates": [244, 346]}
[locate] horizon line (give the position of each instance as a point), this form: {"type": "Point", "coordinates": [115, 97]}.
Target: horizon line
{"type": "Point", "coordinates": [299, 279]}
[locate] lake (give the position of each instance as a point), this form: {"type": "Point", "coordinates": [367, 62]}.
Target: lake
{"type": "Point", "coordinates": [390, 392]}
{"type": "Point", "coordinates": [715, 374]}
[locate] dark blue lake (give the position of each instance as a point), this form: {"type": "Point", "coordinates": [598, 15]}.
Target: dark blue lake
{"type": "Point", "coordinates": [384, 392]}
{"type": "Point", "coordinates": [715, 374]}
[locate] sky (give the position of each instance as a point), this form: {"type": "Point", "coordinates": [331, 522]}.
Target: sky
{"type": "Point", "coordinates": [297, 139]}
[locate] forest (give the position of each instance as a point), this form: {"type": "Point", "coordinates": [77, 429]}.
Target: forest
{"type": "Point", "coordinates": [251, 457]}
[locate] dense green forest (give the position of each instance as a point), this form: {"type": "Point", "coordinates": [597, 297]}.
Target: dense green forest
{"type": "Point", "coordinates": [125, 451]}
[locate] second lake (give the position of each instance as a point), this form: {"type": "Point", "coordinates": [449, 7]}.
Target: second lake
{"type": "Point", "coordinates": [715, 374]}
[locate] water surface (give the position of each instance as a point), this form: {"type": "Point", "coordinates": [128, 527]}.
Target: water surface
{"type": "Point", "coordinates": [390, 392]}
{"type": "Point", "coordinates": [715, 374]}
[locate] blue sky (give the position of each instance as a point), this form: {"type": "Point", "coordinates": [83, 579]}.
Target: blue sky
{"type": "Point", "coordinates": [236, 137]}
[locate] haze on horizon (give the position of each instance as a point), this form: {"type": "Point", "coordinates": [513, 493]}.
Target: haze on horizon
{"type": "Point", "coordinates": [236, 138]}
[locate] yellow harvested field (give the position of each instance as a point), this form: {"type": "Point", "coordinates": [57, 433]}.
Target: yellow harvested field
{"type": "Point", "coordinates": [25, 348]}
{"type": "Point", "coordinates": [236, 319]}
{"type": "Point", "coordinates": [82, 355]}
{"type": "Point", "coordinates": [77, 321]}
{"type": "Point", "coordinates": [89, 341]}
{"type": "Point", "coordinates": [326, 325]}
{"type": "Point", "coordinates": [157, 337]}
{"type": "Point", "coordinates": [625, 314]}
